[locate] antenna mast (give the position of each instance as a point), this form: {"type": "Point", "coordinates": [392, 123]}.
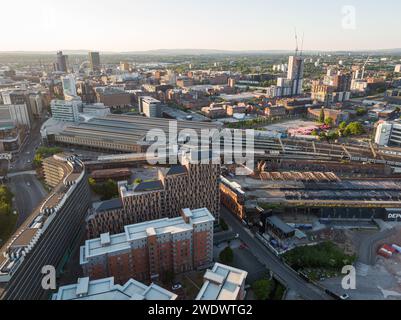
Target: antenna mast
{"type": "Point", "coordinates": [296, 42]}
{"type": "Point", "coordinates": [302, 43]}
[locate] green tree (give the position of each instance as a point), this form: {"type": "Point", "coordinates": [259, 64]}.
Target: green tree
{"type": "Point", "coordinates": [223, 224]}
{"type": "Point", "coordinates": [354, 128]}
{"type": "Point", "coordinates": [329, 121]}
{"type": "Point", "coordinates": [342, 125]}
{"type": "Point", "coordinates": [227, 256]}
{"type": "Point", "coordinates": [45, 152]}
{"type": "Point", "coordinates": [262, 289]}
{"type": "Point", "coordinates": [361, 111]}
{"type": "Point", "coordinates": [321, 116]}
{"type": "Point", "coordinates": [138, 181]}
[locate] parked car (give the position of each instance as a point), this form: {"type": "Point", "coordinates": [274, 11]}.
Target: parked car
{"type": "Point", "coordinates": [176, 286]}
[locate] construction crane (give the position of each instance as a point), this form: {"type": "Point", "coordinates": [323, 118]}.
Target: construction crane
{"type": "Point", "coordinates": [364, 66]}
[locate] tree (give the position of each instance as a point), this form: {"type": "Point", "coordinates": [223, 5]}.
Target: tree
{"type": "Point", "coordinates": [329, 121]}
{"type": "Point", "coordinates": [262, 289]}
{"type": "Point", "coordinates": [354, 128]}
{"type": "Point", "coordinates": [227, 256]}
{"type": "Point", "coordinates": [342, 125]}
{"type": "Point", "coordinates": [361, 111]}
{"type": "Point", "coordinates": [223, 224]}
{"type": "Point", "coordinates": [138, 181]}
{"type": "Point", "coordinates": [321, 116]}
{"type": "Point", "coordinates": [45, 152]}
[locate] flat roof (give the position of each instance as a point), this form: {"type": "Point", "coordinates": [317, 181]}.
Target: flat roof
{"type": "Point", "coordinates": [222, 282]}
{"type": "Point", "coordinates": [280, 224]}
{"type": "Point", "coordinates": [25, 237]}
{"type": "Point", "coordinates": [105, 289]}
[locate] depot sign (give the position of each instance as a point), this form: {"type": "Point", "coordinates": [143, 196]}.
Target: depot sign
{"type": "Point", "coordinates": [394, 216]}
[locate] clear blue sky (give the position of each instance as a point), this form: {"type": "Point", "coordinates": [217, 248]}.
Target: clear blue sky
{"type": "Point", "coordinates": [129, 25]}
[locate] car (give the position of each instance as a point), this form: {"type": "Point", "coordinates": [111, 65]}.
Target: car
{"type": "Point", "coordinates": [28, 184]}
{"type": "Point", "coordinates": [176, 286]}
{"type": "Point", "coordinates": [345, 297]}
{"type": "Point", "coordinates": [237, 236]}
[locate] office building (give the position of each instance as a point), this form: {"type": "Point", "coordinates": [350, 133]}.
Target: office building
{"type": "Point", "coordinates": [94, 59]}
{"type": "Point", "coordinates": [69, 87]}
{"type": "Point", "coordinates": [397, 68]}
{"type": "Point", "coordinates": [48, 236]}
{"type": "Point", "coordinates": [151, 107]}
{"type": "Point", "coordinates": [233, 197]}
{"type": "Point", "coordinates": [106, 289]}
{"type": "Point", "coordinates": [61, 64]}
{"type": "Point", "coordinates": [113, 97]}
{"type": "Point", "coordinates": [124, 66]}
{"type": "Point", "coordinates": [86, 91]}
{"type": "Point", "coordinates": [10, 137]}
{"type": "Point", "coordinates": [223, 283]}
{"type": "Point", "coordinates": [181, 186]}
{"type": "Point", "coordinates": [150, 250]}
{"type": "Point", "coordinates": [18, 113]}
{"type": "Point", "coordinates": [388, 134]}
{"type": "Point", "coordinates": [66, 110]}
{"type": "Point", "coordinates": [337, 116]}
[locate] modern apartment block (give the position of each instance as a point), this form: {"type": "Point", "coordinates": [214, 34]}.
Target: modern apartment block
{"type": "Point", "coordinates": [106, 289]}
{"type": "Point", "coordinates": [152, 250]}
{"type": "Point", "coordinates": [223, 283]}
{"type": "Point", "coordinates": [48, 235]}
{"type": "Point", "coordinates": [182, 186]}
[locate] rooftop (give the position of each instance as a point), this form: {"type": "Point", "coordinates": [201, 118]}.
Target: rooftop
{"type": "Point", "coordinates": [122, 241]}
{"type": "Point", "coordinates": [222, 283]}
{"type": "Point", "coordinates": [105, 289]}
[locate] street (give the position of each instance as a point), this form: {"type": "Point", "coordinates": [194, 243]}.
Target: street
{"type": "Point", "coordinates": [28, 193]}
{"type": "Point", "coordinates": [272, 262]}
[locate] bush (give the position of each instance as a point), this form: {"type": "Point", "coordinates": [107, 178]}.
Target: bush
{"type": "Point", "coordinates": [227, 256]}
{"type": "Point", "coordinates": [223, 225]}
{"type": "Point", "coordinates": [262, 289]}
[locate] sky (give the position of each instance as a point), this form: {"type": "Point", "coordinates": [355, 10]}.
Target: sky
{"type": "Point", "coordinates": [140, 25]}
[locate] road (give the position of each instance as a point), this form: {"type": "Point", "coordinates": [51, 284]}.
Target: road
{"type": "Point", "coordinates": [367, 250]}
{"type": "Point", "coordinates": [28, 194]}
{"type": "Point", "coordinates": [272, 262]}
{"type": "Point", "coordinates": [23, 161]}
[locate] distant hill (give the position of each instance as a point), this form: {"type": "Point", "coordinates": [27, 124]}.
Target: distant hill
{"type": "Point", "coordinates": [193, 52]}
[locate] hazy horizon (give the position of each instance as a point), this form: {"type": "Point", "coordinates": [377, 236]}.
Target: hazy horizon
{"type": "Point", "coordinates": [257, 25]}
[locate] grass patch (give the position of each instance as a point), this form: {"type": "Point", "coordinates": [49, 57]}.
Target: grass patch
{"type": "Point", "coordinates": [325, 259]}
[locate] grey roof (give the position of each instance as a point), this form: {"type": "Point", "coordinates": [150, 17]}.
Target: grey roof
{"type": "Point", "coordinates": [149, 186]}
{"type": "Point", "coordinates": [279, 224]}
{"type": "Point", "coordinates": [176, 169]}
{"type": "Point", "coordinates": [110, 205]}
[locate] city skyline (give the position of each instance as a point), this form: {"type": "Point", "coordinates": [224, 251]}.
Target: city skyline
{"type": "Point", "coordinates": [125, 26]}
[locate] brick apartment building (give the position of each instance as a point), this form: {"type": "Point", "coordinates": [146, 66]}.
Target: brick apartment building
{"type": "Point", "coordinates": [151, 250]}
{"type": "Point", "coordinates": [182, 186]}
